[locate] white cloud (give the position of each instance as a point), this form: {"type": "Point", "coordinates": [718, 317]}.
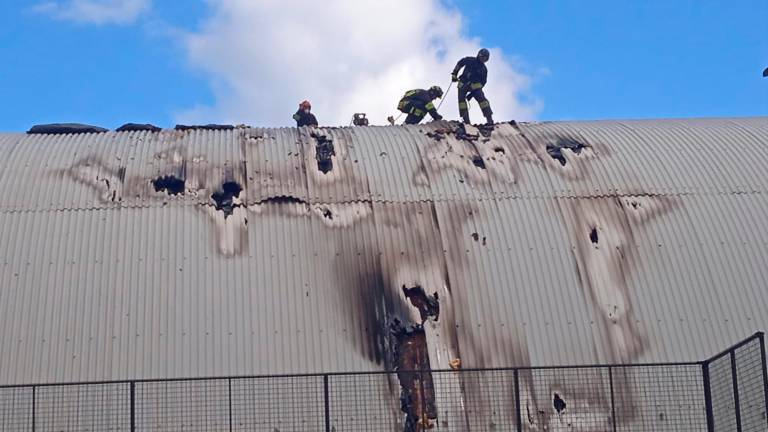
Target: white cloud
{"type": "Point", "coordinates": [345, 56]}
{"type": "Point", "coordinates": [95, 11]}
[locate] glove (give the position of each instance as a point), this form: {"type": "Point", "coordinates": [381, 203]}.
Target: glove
{"type": "Point", "coordinates": [454, 78]}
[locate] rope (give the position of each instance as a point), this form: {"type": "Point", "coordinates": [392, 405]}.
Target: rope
{"type": "Point", "coordinates": [442, 99]}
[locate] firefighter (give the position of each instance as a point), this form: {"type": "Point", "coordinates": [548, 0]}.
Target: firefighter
{"type": "Point", "coordinates": [471, 83]}
{"type": "Point", "coordinates": [417, 103]}
{"type": "Point", "coordinates": [303, 116]}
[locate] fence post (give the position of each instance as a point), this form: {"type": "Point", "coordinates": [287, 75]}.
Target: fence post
{"type": "Point", "coordinates": [229, 384]}
{"type": "Point", "coordinates": [518, 418]}
{"type": "Point", "coordinates": [735, 378]}
{"type": "Point", "coordinates": [613, 401]}
{"type": "Point", "coordinates": [34, 408]}
{"type": "Point", "coordinates": [327, 404]}
{"type": "Point", "coordinates": [133, 406]}
{"type": "Point", "coordinates": [423, 417]}
{"type": "Point", "coordinates": [761, 338]}
{"type": "Point", "coordinates": [708, 397]}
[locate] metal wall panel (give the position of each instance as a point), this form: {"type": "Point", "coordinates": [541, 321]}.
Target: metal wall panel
{"type": "Point", "coordinates": [637, 252]}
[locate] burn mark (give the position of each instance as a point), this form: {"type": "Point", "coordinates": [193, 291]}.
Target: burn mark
{"type": "Point", "coordinates": [417, 392]}
{"type": "Point", "coordinates": [462, 134]}
{"type": "Point", "coordinates": [324, 151]}
{"type": "Point", "coordinates": [225, 199]}
{"type": "Point", "coordinates": [438, 134]}
{"type": "Point", "coordinates": [327, 213]}
{"type": "Point", "coordinates": [558, 403]}
{"type": "Point", "coordinates": [428, 306]}
{"type": "Point", "coordinates": [478, 162]}
{"type": "Point", "coordinates": [475, 236]}
{"type": "Point", "coordinates": [556, 150]}
{"type": "Point", "coordinates": [499, 150]}
{"type": "Point", "coordinates": [170, 184]}
{"type": "Point", "coordinates": [282, 199]}
{"type": "Point", "coordinates": [486, 130]}
{"type": "Point", "coordinates": [593, 236]}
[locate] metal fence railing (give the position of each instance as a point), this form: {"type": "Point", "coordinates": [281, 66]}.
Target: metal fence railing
{"type": "Point", "coordinates": [725, 393]}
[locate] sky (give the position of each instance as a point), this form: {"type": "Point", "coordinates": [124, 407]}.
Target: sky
{"type": "Point", "coordinates": [109, 62]}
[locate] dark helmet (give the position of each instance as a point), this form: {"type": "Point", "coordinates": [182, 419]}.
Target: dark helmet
{"type": "Point", "coordinates": [483, 55]}
{"type": "Point", "coordinates": [436, 91]}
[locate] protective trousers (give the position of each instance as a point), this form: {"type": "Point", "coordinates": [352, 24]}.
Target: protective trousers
{"type": "Point", "coordinates": [475, 90]}
{"type": "Point", "coordinates": [414, 119]}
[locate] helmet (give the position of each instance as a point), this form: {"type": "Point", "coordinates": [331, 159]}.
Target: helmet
{"type": "Point", "coordinates": [437, 91]}
{"type": "Point", "coordinates": [484, 54]}
{"type": "Point", "coordinates": [305, 105]}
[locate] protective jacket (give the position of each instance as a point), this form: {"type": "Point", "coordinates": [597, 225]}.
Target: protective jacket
{"type": "Point", "coordinates": [304, 119]}
{"type": "Point", "coordinates": [475, 72]}
{"type": "Point", "coordinates": [418, 103]}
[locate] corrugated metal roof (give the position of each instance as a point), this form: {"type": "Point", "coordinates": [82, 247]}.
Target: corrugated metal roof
{"type": "Point", "coordinates": [647, 245]}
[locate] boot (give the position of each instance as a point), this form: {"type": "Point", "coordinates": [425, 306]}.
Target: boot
{"type": "Point", "coordinates": [465, 118]}
{"type": "Point", "coordinates": [489, 120]}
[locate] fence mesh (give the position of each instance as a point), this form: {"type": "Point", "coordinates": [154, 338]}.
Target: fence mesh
{"type": "Point", "coordinates": [739, 386]}
{"type": "Point", "coordinates": [725, 393]}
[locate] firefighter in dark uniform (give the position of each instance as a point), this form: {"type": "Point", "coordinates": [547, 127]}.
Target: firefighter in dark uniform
{"type": "Point", "coordinates": [303, 116]}
{"type": "Point", "coordinates": [417, 103]}
{"type": "Point", "coordinates": [471, 83]}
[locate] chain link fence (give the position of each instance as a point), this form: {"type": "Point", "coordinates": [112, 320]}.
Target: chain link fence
{"type": "Point", "coordinates": [725, 393]}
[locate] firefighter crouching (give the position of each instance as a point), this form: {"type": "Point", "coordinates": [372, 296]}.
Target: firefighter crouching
{"type": "Point", "coordinates": [417, 103]}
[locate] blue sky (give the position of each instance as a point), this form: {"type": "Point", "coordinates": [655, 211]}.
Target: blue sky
{"type": "Point", "coordinates": [582, 60]}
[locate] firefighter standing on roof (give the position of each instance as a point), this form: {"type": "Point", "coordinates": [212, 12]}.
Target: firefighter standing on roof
{"type": "Point", "coordinates": [417, 103]}
{"type": "Point", "coordinates": [471, 83]}
{"type": "Point", "coordinates": [303, 116]}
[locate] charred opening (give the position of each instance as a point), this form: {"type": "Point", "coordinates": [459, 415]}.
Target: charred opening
{"type": "Point", "coordinates": [475, 236]}
{"type": "Point", "coordinates": [233, 188]}
{"type": "Point", "coordinates": [282, 199]}
{"type": "Point", "coordinates": [556, 150]}
{"type": "Point", "coordinates": [556, 153]}
{"type": "Point", "coordinates": [225, 199]}
{"type": "Point", "coordinates": [417, 392]}
{"type": "Point", "coordinates": [327, 213]}
{"type": "Point", "coordinates": [428, 306]}
{"type": "Point", "coordinates": [478, 162]}
{"type": "Point", "coordinates": [499, 150]}
{"type": "Point", "coordinates": [324, 151]}
{"type": "Point", "coordinates": [171, 185]}
{"type": "Point", "coordinates": [558, 403]}
{"type": "Point", "coordinates": [593, 236]}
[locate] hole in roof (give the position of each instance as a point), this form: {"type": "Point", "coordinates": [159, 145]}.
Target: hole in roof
{"type": "Point", "coordinates": [171, 185]}
{"type": "Point", "coordinates": [478, 162]}
{"type": "Point", "coordinates": [593, 236]}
